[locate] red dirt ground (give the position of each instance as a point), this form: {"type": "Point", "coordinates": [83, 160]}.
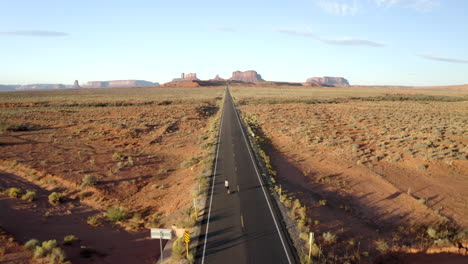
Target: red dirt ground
{"type": "Point", "coordinates": [146, 159]}
{"type": "Point", "coordinates": [367, 198]}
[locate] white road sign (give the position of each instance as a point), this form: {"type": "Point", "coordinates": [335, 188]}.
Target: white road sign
{"type": "Point", "coordinates": [159, 233]}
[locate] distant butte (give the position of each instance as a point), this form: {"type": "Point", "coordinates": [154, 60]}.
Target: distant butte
{"type": "Point", "coordinates": [247, 76]}
{"type": "Point", "coordinates": [329, 81]}
{"type": "Point", "coordinates": [76, 85]}
{"type": "Point", "coordinates": [186, 77]}
{"type": "Point", "coordinates": [119, 84]}
{"type": "Point", "coordinates": [217, 78]}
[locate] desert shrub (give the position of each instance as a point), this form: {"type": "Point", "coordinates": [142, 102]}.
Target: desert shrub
{"type": "Point", "coordinates": [29, 196]}
{"type": "Point", "coordinates": [57, 255]}
{"type": "Point", "coordinates": [178, 248]}
{"type": "Point", "coordinates": [192, 161]}
{"type": "Point", "coordinates": [187, 222]}
{"type": "Point", "coordinates": [6, 127]}
{"type": "Point", "coordinates": [39, 252]}
{"type": "Point", "coordinates": [302, 212]}
{"type": "Point", "coordinates": [49, 245]}
{"type": "Point", "coordinates": [301, 223]}
{"type": "Point", "coordinates": [304, 236]}
{"type": "Point", "coordinates": [55, 198]}
{"type": "Point", "coordinates": [329, 238]}
{"type": "Point", "coordinates": [48, 249]}
{"type": "Point", "coordinates": [32, 244]}
{"type": "Point", "coordinates": [118, 156]}
{"type": "Point", "coordinates": [154, 221]}
{"type": "Point", "coordinates": [315, 250]}
{"type": "Point", "coordinates": [94, 221]}
{"type": "Point", "coordinates": [190, 257]}
{"type": "Point", "coordinates": [381, 245]}
{"type": "Point", "coordinates": [462, 235]}
{"type": "Point", "coordinates": [442, 242]}
{"type": "Point", "coordinates": [89, 180]}
{"type": "Point", "coordinates": [296, 204]}
{"type": "Point", "coordinates": [422, 167]}
{"type": "Point", "coordinates": [422, 201]}
{"type": "Point", "coordinates": [116, 214]}
{"type": "Point", "coordinates": [431, 232]}
{"type": "Point", "coordinates": [287, 202]}
{"type": "Point", "coordinates": [70, 239]}
{"type": "Point", "coordinates": [14, 192]}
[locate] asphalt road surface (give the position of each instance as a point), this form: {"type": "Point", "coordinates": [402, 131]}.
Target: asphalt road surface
{"type": "Point", "coordinates": [240, 227]}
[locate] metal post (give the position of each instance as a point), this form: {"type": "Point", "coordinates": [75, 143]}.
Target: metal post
{"type": "Point", "coordinates": [311, 241]}
{"type": "Point", "coordinates": [187, 248]}
{"type": "Point", "coordinates": [160, 246]}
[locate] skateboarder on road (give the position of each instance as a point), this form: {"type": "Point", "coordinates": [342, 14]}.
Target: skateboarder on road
{"type": "Point", "coordinates": [226, 184]}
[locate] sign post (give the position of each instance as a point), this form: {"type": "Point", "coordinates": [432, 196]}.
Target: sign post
{"type": "Point", "coordinates": [187, 240]}
{"type": "Point", "coordinates": [311, 241]}
{"type": "Point", "coordinates": [159, 233]}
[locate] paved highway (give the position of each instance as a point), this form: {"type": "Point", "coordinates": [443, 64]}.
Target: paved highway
{"type": "Point", "coordinates": [240, 227]}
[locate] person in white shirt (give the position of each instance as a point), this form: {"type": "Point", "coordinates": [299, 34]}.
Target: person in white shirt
{"type": "Point", "coordinates": [226, 184]}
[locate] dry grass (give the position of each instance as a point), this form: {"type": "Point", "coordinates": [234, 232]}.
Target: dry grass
{"type": "Point", "coordinates": [145, 94]}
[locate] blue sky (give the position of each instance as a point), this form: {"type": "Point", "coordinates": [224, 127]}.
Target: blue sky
{"type": "Point", "coordinates": [395, 42]}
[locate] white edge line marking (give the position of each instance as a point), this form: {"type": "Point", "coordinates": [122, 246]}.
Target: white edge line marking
{"type": "Point", "coordinates": [263, 189]}
{"type": "Point", "coordinates": [212, 184]}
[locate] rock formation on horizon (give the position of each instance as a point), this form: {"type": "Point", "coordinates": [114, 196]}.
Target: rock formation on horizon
{"type": "Point", "coordinates": [76, 85]}
{"type": "Point", "coordinates": [247, 76]}
{"type": "Point", "coordinates": [334, 81]}
{"type": "Point", "coordinates": [41, 86]}
{"type": "Point", "coordinates": [186, 77]}
{"type": "Point", "coordinates": [119, 84]}
{"type": "Point", "coordinates": [217, 78]}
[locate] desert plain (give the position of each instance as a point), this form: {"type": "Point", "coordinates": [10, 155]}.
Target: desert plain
{"type": "Point", "coordinates": [382, 172]}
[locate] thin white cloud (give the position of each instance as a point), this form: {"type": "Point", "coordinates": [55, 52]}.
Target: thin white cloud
{"type": "Point", "coordinates": [441, 58]}
{"type": "Point", "coordinates": [420, 5]}
{"type": "Point", "coordinates": [332, 41]}
{"type": "Point", "coordinates": [34, 33]}
{"type": "Point", "coordinates": [340, 8]}
{"type": "Point", "coordinates": [226, 29]}
{"type": "Point", "coordinates": [353, 7]}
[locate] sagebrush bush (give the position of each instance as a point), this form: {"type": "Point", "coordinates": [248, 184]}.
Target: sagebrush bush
{"type": "Point", "coordinates": [315, 250]}
{"type": "Point", "coordinates": [15, 192]}
{"type": "Point", "coordinates": [117, 156]}
{"type": "Point", "coordinates": [381, 245]}
{"type": "Point", "coordinates": [39, 252]}
{"type": "Point", "coordinates": [32, 244]}
{"type": "Point", "coordinates": [192, 161]}
{"type": "Point", "coordinates": [116, 214]}
{"type": "Point", "coordinates": [55, 198]}
{"type": "Point", "coordinates": [302, 212]}
{"type": "Point", "coordinates": [29, 196]}
{"type": "Point", "coordinates": [70, 239]}
{"type": "Point", "coordinates": [329, 238]}
{"type": "Point", "coordinates": [94, 221]}
{"type": "Point", "coordinates": [178, 248]}
{"type": "Point", "coordinates": [431, 232]}
{"type": "Point", "coordinates": [88, 180]}
{"type": "Point", "coordinates": [49, 245]}
{"type": "Point", "coordinates": [57, 255]}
